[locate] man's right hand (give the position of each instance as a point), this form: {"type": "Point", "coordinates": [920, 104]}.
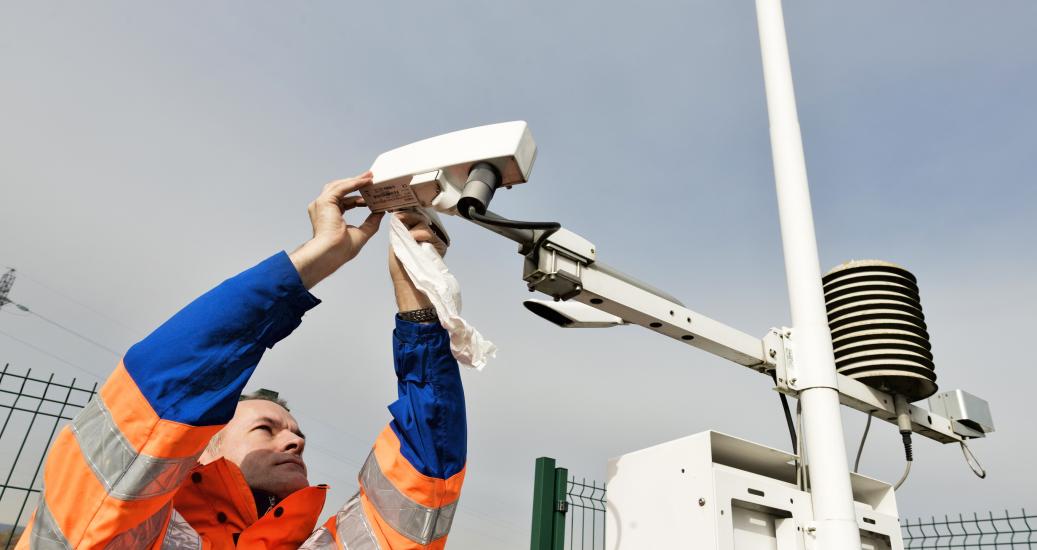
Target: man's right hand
{"type": "Point", "coordinates": [408, 297]}
{"type": "Point", "coordinates": [334, 242]}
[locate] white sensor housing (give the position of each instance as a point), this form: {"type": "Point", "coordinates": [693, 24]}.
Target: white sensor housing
{"type": "Point", "coordinates": [432, 172]}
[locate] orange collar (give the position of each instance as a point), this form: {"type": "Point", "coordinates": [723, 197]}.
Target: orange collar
{"type": "Point", "coordinates": [218, 503]}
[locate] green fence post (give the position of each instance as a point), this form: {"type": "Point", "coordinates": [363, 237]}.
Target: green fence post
{"type": "Point", "coordinates": [560, 507]}
{"type": "Point", "coordinates": [543, 504]}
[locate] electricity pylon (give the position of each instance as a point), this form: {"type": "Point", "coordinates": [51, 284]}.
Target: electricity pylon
{"type": "Point", "coordinates": [6, 282]}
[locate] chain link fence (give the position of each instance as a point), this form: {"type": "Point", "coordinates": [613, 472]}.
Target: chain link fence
{"type": "Point", "coordinates": [33, 408]}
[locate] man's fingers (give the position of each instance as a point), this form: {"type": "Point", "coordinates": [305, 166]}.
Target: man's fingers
{"type": "Point", "coordinates": [370, 225]}
{"type": "Point", "coordinates": [351, 201]}
{"type": "Point", "coordinates": [410, 218]}
{"type": "Point", "coordinates": [423, 233]}
{"type": "Point", "coordinates": [340, 188]}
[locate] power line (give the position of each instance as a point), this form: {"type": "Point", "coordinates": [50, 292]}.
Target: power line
{"type": "Point", "coordinates": [6, 282]}
{"type": "Point", "coordinates": [85, 338]}
{"type": "Point", "coordinates": [49, 354]}
{"type": "Point", "coordinates": [79, 335]}
{"type": "Point", "coordinates": [14, 313]}
{"type": "Point", "coordinates": [315, 419]}
{"type": "Point", "coordinates": [66, 296]}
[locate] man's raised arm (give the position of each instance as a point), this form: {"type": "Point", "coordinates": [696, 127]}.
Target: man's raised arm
{"type": "Point", "coordinates": [111, 474]}
{"type": "Point", "coordinates": [412, 479]}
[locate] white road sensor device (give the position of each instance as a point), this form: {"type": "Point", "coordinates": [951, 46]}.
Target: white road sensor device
{"type": "Point", "coordinates": [435, 172]}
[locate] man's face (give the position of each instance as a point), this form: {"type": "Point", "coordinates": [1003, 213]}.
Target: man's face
{"type": "Point", "coordinates": [264, 440]}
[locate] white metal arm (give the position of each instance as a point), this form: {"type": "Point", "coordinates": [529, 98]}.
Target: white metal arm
{"type": "Point", "coordinates": [564, 266]}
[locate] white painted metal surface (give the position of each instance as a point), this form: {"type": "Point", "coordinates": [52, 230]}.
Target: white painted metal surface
{"type": "Point", "coordinates": [822, 428]}
{"type": "Point", "coordinates": [562, 273]}
{"type": "Point", "coordinates": [441, 164]}
{"type": "Point", "coordinates": [964, 409]}
{"type": "Point", "coordinates": [712, 491]}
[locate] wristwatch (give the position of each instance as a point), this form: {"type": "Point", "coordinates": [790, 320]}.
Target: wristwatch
{"type": "Point", "coordinates": [425, 315]}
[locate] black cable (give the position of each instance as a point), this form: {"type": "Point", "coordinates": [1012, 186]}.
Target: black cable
{"type": "Point", "coordinates": [864, 437]}
{"type": "Point", "coordinates": [546, 228]}
{"type": "Point", "coordinates": [788, 417]}
{"type": "Point", "coordinates": [908, 452]}
{"type": "Point", "coordinates": [972, 461]}
{"type": "Point", "coordinates": [909, 455]}
{"type": "Point", "coordinates": [801, 463]}
{"type": "Point", "coordinates": [513, 224]}
{"type": "Point", "coordinates": [788, 420]}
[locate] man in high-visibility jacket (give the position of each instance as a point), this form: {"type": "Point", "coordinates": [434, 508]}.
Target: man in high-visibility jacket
{"type": "Point", "coordinates": [139, 467]}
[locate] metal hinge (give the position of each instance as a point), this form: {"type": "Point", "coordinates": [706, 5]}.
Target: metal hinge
{"type": "Point", "coordinates": [777, 344]}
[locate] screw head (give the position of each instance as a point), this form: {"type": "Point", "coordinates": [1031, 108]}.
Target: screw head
{"type": "Point", "coordinates": [773, 353]}
{"type": "Point", "coordinates": [702, 502]}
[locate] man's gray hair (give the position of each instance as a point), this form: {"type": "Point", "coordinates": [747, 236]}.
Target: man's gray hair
{"type": "Point", "coordinates": [262, 394]}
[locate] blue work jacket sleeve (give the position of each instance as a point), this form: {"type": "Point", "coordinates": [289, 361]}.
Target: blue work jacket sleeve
{"type": "Point", "coordinates": [429, 415]}
{"type": "Point", "coordinates": [193, 368]}
{"type": "Point", "coordinates": [111, 473]}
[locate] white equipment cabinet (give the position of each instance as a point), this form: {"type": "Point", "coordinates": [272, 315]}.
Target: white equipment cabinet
{"type": "Point", "coordinates": [713, 491]}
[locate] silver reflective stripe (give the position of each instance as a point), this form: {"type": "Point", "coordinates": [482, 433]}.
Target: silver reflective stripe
{"type": "Point", "coordinates": [418, 523]}
{"type": "Point", "coordinates": [180, 535]}
{"type": "Point", "coordinates": [143, 535]}
{"type": "Point", "coordinates": [45, 533]}
{"type": "Point", "coordinates": [445, 519]}
{"type": "Point", "coordinates": [125, 473]}
{"type": "Point", "coordinates": [321, 539]}
{"type": "Point", "coordinates": [353, 529]}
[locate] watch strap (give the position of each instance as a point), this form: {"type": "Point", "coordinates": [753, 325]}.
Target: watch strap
{"type": "Point", "coordinates": [424, 315]}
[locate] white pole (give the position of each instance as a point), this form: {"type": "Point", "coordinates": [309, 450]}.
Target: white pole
{"type": "Point", "coordinates": [835, 521]}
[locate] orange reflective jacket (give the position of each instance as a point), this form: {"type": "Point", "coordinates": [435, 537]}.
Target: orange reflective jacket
{"type": "Point", "coordinates": [219, 511]}
{"type": "Point", "coordinates": [124, 474]}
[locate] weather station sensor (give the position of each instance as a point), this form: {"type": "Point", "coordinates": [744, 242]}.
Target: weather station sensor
{"type": "Point", "coordinates": [879, 335]}
{"type": "Point", "coordinates": [433, 173]}
{"type": "Point", "coordinates": [858, 340]}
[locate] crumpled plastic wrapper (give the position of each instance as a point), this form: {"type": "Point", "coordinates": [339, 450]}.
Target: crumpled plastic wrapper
{"type": "Point", "coordinates": [431, 276]}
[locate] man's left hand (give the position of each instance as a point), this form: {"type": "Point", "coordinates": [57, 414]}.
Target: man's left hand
{"type": "Point", "coordinates": [334, 242]}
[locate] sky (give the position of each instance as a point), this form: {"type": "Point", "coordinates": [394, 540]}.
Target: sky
{"type": "Point", "coordinates": [150, 150]}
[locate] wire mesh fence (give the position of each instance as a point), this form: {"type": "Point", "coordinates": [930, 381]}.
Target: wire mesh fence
{"type": "Point", "coordinates": [570, 515]}
{"type": "Point", "coordinates": [984, 531]}
{"type": "Point", "coordinates": [567, 514]}
{"type": "Point", "coordinates": [586, 515]}
{"type": "Point", "coordinates": [34, 408]}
